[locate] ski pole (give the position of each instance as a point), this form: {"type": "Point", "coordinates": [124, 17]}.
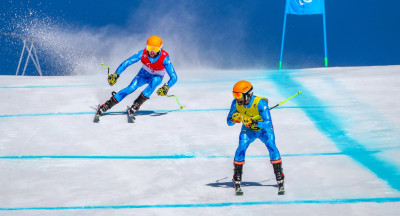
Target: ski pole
{"type": "Point", "coordinates": [180, 106]}
{"type": "Point", "coordinates": [299, 92]}
{"type": "Point", "coordinates": [108, 66]}
{"type": "Point", "coordinates": [111, 79]}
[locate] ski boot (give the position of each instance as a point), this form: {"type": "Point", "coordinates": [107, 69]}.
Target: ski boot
{"type": "Point", "coordinates": [106, 106]}
{"type": "Point", "coordinates": [237, 178]}
{"type": "Point", "coordinates": [280, 177]}
{"type": "Point", "coordinates": [136, 105]}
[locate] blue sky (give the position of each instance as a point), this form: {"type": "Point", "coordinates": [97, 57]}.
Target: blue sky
{"type": "Point", "coordinates": [242, 34]}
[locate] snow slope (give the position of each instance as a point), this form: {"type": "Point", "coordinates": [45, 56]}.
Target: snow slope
{"type": "Point", "coordinates": [339, 141]}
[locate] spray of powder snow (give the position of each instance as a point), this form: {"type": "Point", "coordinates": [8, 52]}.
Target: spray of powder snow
{"type": "Point", "coordinates": [68, 49]}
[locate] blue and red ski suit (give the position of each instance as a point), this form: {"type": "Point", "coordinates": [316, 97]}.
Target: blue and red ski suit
{"type": "Point", "coordinates": [151, 73]}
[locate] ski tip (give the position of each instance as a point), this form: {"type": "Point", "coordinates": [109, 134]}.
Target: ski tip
{"type": "Point", "coordinates": [96, 119]}
{"type": "Point", "coordinates": [281, 191]}
{"type": "Point", "coordinates": [239, 193]}
{"type": "Point", "coordinates": [131, 119]}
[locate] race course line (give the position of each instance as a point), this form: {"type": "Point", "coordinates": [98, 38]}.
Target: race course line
{"type": "Point", "coordinates": [150, 157]}
{"type": "Point", "coordinates": [30, 87]}
{"type": "Point", "coordinates": [223, 204]}
{"type": "Point", "coordinates": [140, 112]}
{"type": "Point", "coordinates": [148, 112]}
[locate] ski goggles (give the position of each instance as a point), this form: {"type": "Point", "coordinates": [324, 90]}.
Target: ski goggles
{"type": "Point", "coordinates": [237, 95]}
{"type": "Point", "coordinates": [153, 48]}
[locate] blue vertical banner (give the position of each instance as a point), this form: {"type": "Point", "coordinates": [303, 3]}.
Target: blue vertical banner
{"type": "Point", "coordinates": [304, 7]}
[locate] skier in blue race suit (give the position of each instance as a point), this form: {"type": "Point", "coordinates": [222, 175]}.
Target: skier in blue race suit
{"type": "Point", "coordinates": [156, 63]}
{"type": "Point", "coordinates": [254, 113]}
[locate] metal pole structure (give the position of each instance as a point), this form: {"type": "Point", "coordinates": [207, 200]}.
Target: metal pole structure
{"type": "Point", "coordinates": [20, 59]}
{"type": "Point", "coordinates": [36, 60]}
{"type": "Point", "coordinates": [283, 41]}
{"type": "Point", "coordinates": [33, 56]}
{"type": "Point", "coordinates": [27, 59]}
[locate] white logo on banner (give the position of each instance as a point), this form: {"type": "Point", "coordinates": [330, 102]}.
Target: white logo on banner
{"type": "Point", "coordinates": [301, 2]}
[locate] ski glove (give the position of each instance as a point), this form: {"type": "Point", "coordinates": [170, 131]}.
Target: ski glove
{"type": "Point", "coordinates": [251, 123]}
{"type": "Point", "coordinates": [237, 118]}
{"type": "Point", "coordinates": [112, 78]}
{"type": "Point", "coordinates": [163, 90]}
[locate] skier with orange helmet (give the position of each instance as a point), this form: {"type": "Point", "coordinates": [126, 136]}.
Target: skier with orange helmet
{"type": "Point", "coordinates": [155, 63]}
{"type": "Point", "coordinates": [254, 113]}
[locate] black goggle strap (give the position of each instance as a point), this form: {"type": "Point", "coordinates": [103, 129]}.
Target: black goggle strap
{"type": "Point", "coordinates": [248, 94]}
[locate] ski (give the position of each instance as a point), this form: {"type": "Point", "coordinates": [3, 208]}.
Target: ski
{"type": "Point", "coordinates": [281, 189]}
{"type": "Point", "coordinates": [131, 116]}
{"type": "Point", "coordinates": [97, 116]}
{"type": "Point", "coordinates": [238, 189]}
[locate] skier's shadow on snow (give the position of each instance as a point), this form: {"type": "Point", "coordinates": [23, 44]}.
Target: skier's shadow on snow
{"type": "Point", "coordinates": [150, 113]}
{"type": "Point", "coordinates": [139, 112]}
{"type": "Point", "coordinates": [229, 184]}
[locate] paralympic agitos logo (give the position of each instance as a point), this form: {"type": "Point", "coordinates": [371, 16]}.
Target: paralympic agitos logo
{"type": "Point", "coordinates": [301, 2]}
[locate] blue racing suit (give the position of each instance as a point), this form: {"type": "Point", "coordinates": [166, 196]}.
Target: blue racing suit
{"type": "Point", "coordinates": [144, 77]}
{"type": "Point", "coordinates": [247, 135]}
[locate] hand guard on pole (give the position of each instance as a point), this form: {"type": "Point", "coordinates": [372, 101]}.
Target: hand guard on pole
{"type": "Point", "coordinates": [250, 123]}
{"type": "Point", "coordinates": [163, 90]}
{"type": "Point", "coordinates": [112, 78]}
{"type": "Point", "coordinates": [237, 118]}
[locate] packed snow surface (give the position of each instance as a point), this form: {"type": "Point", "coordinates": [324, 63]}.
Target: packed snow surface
{"type": "Point", "coordinates": [339, 142]}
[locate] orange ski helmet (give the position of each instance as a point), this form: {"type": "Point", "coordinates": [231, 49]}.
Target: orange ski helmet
{"type": "Point", "coordinates": [242, 89]}
{"type": "Point", "coordinates": [154, 43]}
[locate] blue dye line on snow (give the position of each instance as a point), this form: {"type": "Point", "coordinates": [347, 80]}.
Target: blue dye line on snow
{"type": "Point", "coordinates": [47, 114]}
{"type": "Point", "coordinates": [289, 155]}
{"type": "Point", "coordinates": [330, 125]}
{"type": "Point", "coordinates": [31, 87]}
{"type": "Point", "coordinates": [91, 85]}
{"type": "Point", "coordinates": [223, 204]}
{"type": "Point", "coordinates": [113, 112]}
{"type": "Point", "coordinates": [177, 156]}
{"type": "Point", "coordinates": [150, 111]}
{"type": "Point", "coordinates": [181, 156]}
